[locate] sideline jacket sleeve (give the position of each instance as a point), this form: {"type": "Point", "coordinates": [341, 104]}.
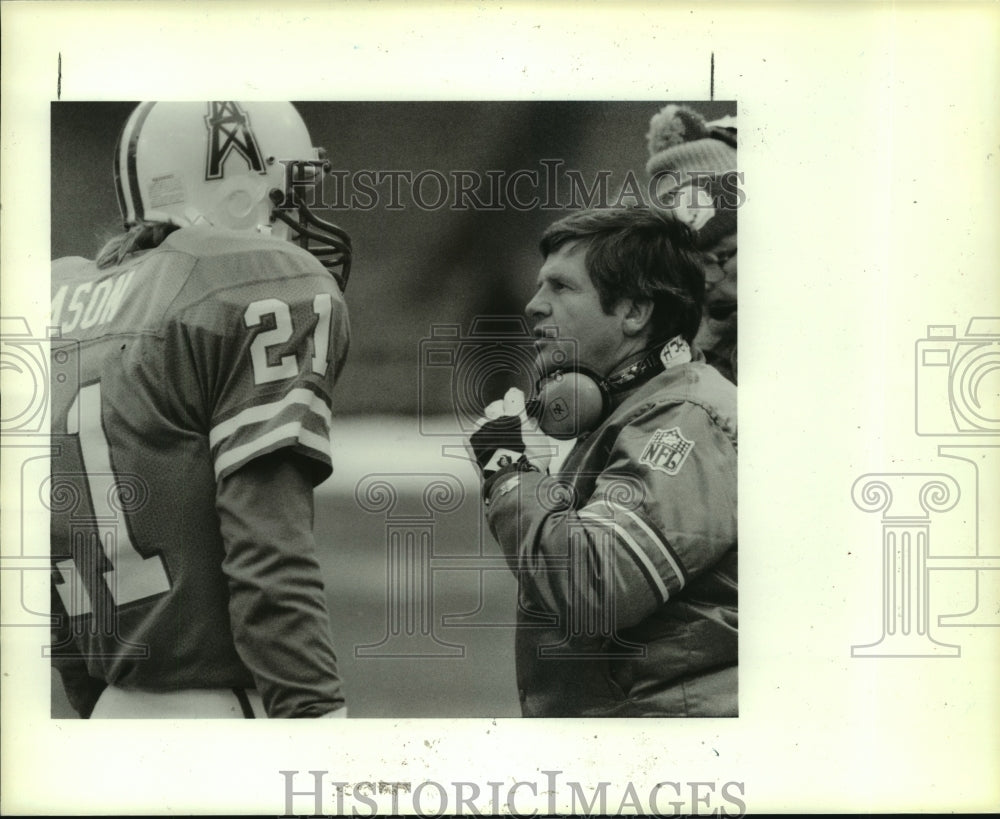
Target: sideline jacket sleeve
{"type": "Point", "coordinates": [277, 604]}
{"type": "Point", "coordinates": [662, 512]}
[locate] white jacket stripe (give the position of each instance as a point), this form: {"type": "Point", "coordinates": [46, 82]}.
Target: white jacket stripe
{"type": "Point", "coordinates": [637, 551]}
{"type": "Point", "coordinates": [627, 521]}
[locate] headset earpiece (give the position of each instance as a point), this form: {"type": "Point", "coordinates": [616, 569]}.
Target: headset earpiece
{"type": "Point", "coordinates": [570, 403]}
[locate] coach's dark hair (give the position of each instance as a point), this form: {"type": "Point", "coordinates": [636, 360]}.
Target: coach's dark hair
{"type": "Point", "coordinates": [641, 254]}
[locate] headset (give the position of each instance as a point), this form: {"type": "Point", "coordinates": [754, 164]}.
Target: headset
{"type": "Point", "coordinates": [573, 401]}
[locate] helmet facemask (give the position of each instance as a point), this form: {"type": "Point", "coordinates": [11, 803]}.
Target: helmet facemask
{"type": "Point", "coordinates": [330, 244]}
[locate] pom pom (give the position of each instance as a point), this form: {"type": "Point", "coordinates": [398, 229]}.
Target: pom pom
{"type": "Point", "coordinates": [674, 125]}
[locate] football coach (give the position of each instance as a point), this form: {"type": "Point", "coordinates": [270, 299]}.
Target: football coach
{"type": "Point", "coordinates": [626, 556]}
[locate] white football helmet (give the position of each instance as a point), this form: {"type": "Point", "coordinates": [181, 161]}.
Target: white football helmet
{"type": "Point", "coordinates": [235, 165]}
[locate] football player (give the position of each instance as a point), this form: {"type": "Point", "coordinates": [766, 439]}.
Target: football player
{"type": "Point", "coordinates": [208, 338]}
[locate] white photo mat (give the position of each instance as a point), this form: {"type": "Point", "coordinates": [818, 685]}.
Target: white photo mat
{"type": "Point", "coordinates": [870, 143]}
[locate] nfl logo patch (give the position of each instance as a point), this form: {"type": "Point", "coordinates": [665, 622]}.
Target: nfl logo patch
{"type": "Point", "coordinates": [667, 450]}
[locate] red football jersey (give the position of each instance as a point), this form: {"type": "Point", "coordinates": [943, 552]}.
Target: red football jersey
{"type": "Point", "coordinates": [194, 358]}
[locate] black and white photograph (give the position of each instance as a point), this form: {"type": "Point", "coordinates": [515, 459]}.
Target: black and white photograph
{"type": "Point", "coordinates": [531, 290]}
{"type": "Point", "coordinates": [388, 371]}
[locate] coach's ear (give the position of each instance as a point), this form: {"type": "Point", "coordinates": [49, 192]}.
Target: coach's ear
{"type": "Point", "coordinates": [636, 315]}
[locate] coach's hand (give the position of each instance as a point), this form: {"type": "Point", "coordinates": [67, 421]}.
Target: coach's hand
{"type": "Point", "coordinates": [506, 438]}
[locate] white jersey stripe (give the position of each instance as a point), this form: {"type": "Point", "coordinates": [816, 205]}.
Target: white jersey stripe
{"type": "Point", "coordinates": [262, 443]}
{"type": "Point", "coordinates": [626, 537]}
{"type": "Point", "coordinates": [265, 412]}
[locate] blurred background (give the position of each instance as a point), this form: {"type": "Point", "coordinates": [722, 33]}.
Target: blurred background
{"type": "Point", "coordinates": [419, 262]}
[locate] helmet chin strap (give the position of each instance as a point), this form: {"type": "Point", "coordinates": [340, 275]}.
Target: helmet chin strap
{"type": "Point", "coordinates": [195, 218]}
{"type": "Point", "coordinates": [574, 401]}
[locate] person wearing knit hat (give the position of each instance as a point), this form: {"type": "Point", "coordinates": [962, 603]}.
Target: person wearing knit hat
{"type": "Point", "coordinates": [692, 168]}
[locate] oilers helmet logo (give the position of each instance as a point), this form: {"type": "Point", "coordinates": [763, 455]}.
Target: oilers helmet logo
{"type": "Point", "coordinates": [229, 130]}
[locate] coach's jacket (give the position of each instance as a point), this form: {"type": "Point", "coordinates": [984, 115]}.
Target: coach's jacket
{"type": "Point", "coordinates": [627, 558]}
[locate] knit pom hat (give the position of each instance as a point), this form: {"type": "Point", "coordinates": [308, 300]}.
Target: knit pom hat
{"type": "Point", "coordinates": [681, 141]}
